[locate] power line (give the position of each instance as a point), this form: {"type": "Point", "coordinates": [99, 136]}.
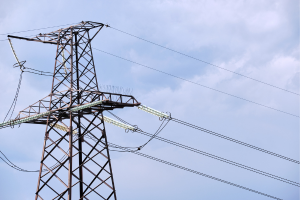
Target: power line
{"type": "Point", "coordinates": [197, 83]}
{"type": "Point", "coordinates": [234, 140]}
{"type": "Point", "coordinates": [221, 159]}
{"type": "Point", "coordinates": [9, 163]}
{"type": "Point", "coordinates": [41, 74]}
{"type": "Point", "coordinates": [12, 165]}
{"type": "Point", "coordinates": [22, 68]}
{"type": "Point", "coordinates": [183, 168]}
{"type": "Point", "coordinates": [195, 172]}
{"type": "Point", "coordinates": [183, 78]}
{"type": "Point", "coordinates": [211, 155]}
{"type": "Point", "coordinates": [160, 128]}
{"type": "Point", "coordinates": [38, 72]}
{"type": "Point", "coordinates": [183, 54]}
{"type": "Point", "coordinates": [14, 103]}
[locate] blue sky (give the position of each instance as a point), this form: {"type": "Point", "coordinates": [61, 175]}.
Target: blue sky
{"type": "Point", "coordinates": [259, 39]}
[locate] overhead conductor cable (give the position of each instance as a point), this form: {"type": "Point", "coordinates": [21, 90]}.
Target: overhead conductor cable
{"type": "Point", "coordinates": [211, 155]}
{"type": "Point", "coordinates": [194, 58]}
{"type": "Point", "coordinates": [13, 105]}
{"type": "Point", "coordinates": [161, 114]}
{"type": "Point", "coordinates": [196, 83]}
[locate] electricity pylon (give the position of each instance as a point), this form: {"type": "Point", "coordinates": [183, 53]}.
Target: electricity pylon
{"type": "Point", "coordinates": [75, 160]}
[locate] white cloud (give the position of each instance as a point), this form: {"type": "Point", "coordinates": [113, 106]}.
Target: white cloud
{"type": "Point", "coordinates": [253, 38]}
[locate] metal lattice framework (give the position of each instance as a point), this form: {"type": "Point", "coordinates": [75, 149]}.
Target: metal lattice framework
{"type": "Point", "coordinates": [75, 160]}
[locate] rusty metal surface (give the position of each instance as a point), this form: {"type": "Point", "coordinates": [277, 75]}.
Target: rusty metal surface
{"type": "Point", "coordinates": [61, 108]}
{"type": "Point", "coordinates": [71, 166]}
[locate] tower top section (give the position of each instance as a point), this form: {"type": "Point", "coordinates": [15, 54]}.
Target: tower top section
{"type": "Point", "coordinates": [63, 35]}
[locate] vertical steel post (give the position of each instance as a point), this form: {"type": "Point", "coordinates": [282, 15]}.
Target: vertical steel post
{"type": "Point", "coordinates": [46, 132]}
{"type": "Point", "coordinates": [71, 122]}
{"type": "Point", "coordinates": [79, 121]}
{"type": "Point", "coordinates": [109, 163]}
{"type": "Point", "coordinates": [93, 63]}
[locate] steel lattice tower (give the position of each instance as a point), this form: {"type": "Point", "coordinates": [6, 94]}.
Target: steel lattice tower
{"type": "Point", "coordinates": [75, 161]}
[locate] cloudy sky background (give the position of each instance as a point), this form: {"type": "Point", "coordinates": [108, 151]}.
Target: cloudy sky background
{"type": "Point", "coordinates": [259, 39]}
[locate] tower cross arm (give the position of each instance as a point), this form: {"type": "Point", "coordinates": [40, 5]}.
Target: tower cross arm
{"type": "Point", "coordinates": [36, 39]}
{"type": "Point", "coordinates": [57, 37]}
{"type": "Point", "coordinates": [38, 113]}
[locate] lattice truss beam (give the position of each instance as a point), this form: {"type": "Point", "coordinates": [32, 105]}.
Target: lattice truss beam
{"type": "Point", "coordinates": [82, 52]}
{"type": "Point", "coordinates": [62, 109]}
{"type": "Point", "coordinates": [97, 181]}
{"type": "Point", "coordinates": [75, 161]}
